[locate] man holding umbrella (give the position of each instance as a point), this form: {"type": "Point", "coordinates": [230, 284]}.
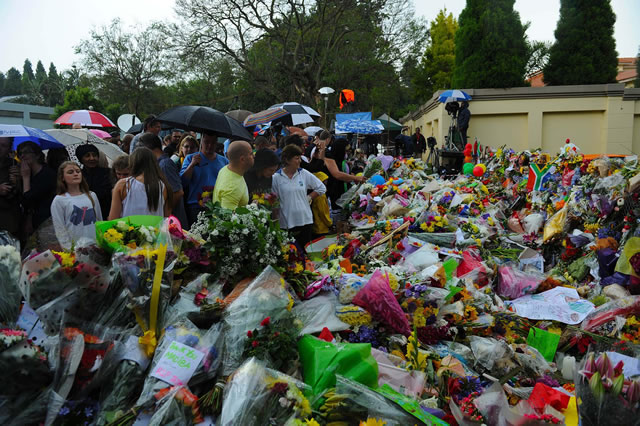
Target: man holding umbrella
{"type": "Point", "coordinates": [199, 173]}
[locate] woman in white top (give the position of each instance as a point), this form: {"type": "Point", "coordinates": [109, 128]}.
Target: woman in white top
{"type": "Point", "coordinates": [75, 209]}
{"type": "Point", "coordinates": [144, 192]}
{"type": "Point", "coordinates": [291, 184]}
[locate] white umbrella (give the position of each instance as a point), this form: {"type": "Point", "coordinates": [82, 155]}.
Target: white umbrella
{"type": "Point", "coordinates": [73, 138]}
{"type": "Point", "coordinates": [312, 130]}
{"type": "Point", "coordinates": [300, 114]}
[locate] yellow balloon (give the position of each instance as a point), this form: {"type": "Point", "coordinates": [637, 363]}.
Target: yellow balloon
{"type": "Point", "coordinates": [484, 168]}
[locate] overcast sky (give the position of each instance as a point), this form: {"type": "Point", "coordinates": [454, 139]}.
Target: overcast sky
{"type": "Point", "coordinates": [47, 30]}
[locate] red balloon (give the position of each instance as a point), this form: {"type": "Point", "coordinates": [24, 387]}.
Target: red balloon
{"type": "Point", "coordinates": [468, 158]}
{"type": "Point", "coordinates": [477, 171]}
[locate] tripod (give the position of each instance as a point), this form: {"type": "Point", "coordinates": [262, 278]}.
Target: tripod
{"type": "Point", "coordinates": [453, 140]}
{"type": "Point", "coordinates": [433, 158]}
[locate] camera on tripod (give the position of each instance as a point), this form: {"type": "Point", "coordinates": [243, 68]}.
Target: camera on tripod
{"type": "Point", "coordinates": [431, 142]}
{"type": "Point", "coordinates": [452, 108]}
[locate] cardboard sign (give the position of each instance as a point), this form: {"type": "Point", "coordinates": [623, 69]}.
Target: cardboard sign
{"type": "Point", "coordinates": [177, 364]}
{"type": "Point", "coordinates": [545, 342]}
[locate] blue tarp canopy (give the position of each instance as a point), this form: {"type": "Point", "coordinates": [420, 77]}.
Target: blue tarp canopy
{"type": "Point", "coordinates": [358, 122]}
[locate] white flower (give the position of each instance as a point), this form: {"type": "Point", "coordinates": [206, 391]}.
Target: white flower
{"type": "Point", "coordinates": [236, 250]}
{"type": "Point", "coordinates": [215, 233]}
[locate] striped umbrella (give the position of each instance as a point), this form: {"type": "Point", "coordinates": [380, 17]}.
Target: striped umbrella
{"type": "Point", "coordinates": [453, 96]}
{"type": "Point", "coordinates": [300, 114]}
{"type": "Point", "coordinates": [266, 116]}
{"type": "Point", "coordinates": [84, 117]}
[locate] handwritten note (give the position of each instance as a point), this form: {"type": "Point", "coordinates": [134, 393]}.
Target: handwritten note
{"type": "Point", "coordinates": [177, 364]}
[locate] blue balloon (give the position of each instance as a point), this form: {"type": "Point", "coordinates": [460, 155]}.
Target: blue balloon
{"type": "Point", "coordinates": [398, 181]}
{"type": "Point", "coordinates": [377, 180]}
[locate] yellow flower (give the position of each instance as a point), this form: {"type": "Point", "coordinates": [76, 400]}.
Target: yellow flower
{"type": "Point", "coordinates": [290, 305]}
{"type": "Point", "coordinates": [555, 330]}
{"type": "Point", "coordinates": [66, 259]}
{"type": "Point", "coordinates": [298, 268]}
{"type": "Point", "coordinates": [373, 422]}
{"type": "Point", "coordinates": [112, 236]}
{"type": "Point", "coordinates": [632, 320]}
{"type": "Point", "coordinates": [311, 422]}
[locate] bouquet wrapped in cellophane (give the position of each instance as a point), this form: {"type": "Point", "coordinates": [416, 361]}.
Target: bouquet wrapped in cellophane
{"type": "Point", "coordinates": [258, 395]}
{"type": "Point", "coordinates": [606, 395]}
{"type": "Point", "coordinates": [266, 296]}
{"type": "Point", "coordinates": [10, 263]}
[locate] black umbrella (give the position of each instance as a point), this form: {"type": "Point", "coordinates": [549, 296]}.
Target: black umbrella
{"type": "Point", "coordinates": [137, 128]}
{"type": "Point", "coordinates": [205, 119]}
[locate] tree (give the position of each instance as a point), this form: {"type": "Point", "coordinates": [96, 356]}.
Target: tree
{"type": "Point", "coordinates": [436, 67]}
{"type": "Point", "coordinates": [13, 84]}
{"type": "Point", "coordinates": [126, 65]}
{"type": "Point", "coordinates": [288, 49]}
{"type": "Point", "coordinates": [54, 87]}
{"type": "Point", "coordinates": [491, 48]}
{"type": "Point", "coordinates": [2, 81]}
{"type": "Point", "coordinates": [79, 98]}
{"type": "Point", "coordinates": [27, 74]}
{"type": "Point", "coordinates": [584, 51]}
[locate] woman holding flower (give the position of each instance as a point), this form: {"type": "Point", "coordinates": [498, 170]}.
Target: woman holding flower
{"type": "Point", "coordinates": [291, 183]}
{"type": "Point", "coordinates": [75, 209]}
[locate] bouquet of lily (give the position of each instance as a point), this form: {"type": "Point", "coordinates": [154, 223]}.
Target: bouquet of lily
{"type": "Point", "coordinates": [241, 243]}
{"type": "Point", "coordinates": [607, 396]}
{"type": "Point", "coordinates": [258, 395]}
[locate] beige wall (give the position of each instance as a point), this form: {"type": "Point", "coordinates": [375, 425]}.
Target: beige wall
{"type": "Point", "coordinates": [597, 118]}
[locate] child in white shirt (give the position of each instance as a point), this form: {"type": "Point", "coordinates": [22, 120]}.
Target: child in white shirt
{"type": "Point", "coordinates": [75, 209]}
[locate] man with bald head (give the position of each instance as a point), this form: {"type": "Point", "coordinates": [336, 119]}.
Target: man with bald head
{"type": "Point", "coordinates": [231, 189]}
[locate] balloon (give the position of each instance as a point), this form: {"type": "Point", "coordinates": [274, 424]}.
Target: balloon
{"type": "Point", "coordinates": [467, 169]}
{"type": "Point", "coordinates": [468, 147]}
{"type": "Point", "coordinates": [377, 180]}
{"type": "Point", "coordinates": [484, 168]}
{"type": "Point", "coordinates": [468, 159]}
{"type": "Point", "coordinates": [477, 171]}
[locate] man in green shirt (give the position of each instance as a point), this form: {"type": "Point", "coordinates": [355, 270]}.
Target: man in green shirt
{"type": "Point", "coordinates": [231, 189]}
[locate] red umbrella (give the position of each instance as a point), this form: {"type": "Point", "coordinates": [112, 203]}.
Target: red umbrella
{"type": "Point", "coordinates": [84, 117]}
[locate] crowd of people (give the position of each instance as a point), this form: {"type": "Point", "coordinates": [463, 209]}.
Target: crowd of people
{"type": "Point", "coordinates": [175, 176]}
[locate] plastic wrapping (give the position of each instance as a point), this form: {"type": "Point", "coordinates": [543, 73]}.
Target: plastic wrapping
{"type": "Point", "coordinates": [377, 298]}
{"type": "Point", "coordinates": [359, 403]}
{"type": "Point", "coordinates": [9, 275]}
{"type": "Point", "coordinates": [513, 283]}
{"type": "Point", "coordinates": [350, 285]}
{"type": "Point", "coordinates": [258, 395]}
{"type": "Point", "coordinates": [184, 333]}
{"type": "Point", "coordinates": [266, 296]}
{"type": "Point", "coordinates": [492, 354]}
{"type": "Point", "coordinates": [318, 313]}
{"type": "Point", "coordinates": [199, 301]}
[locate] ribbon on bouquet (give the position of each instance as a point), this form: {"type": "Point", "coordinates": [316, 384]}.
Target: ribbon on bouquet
{"type": "Point", "coordinates": [149, 340]}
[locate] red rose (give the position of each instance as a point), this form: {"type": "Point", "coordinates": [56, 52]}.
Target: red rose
{"type": "Point", "coordinates": [249, 334]}
{"type": "Point", "coordinates": [255, 343]}
{"type": "Point", "coordinates": [276, 334]}
{"type": "Point", "coordinates": [265, 321]}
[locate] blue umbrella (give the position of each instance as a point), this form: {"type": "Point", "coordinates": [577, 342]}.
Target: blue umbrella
{"type": "Point", "coordinates": [453, 96]}
{"type": "Point", "coordinates": [21, 133]}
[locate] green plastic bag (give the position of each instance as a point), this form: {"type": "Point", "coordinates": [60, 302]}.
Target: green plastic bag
{"type": "Point", "coordinates": [321, 361]}
{"type": "Point", "coordinates": [104, 226]}
{"type": "Point", "coordinates": [544, 341]}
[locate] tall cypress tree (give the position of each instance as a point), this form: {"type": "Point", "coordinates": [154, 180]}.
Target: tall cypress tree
{"type": "Point", "coordinates": [13, 84]}
{"type": "Point", "coordinates": [27, 74]}
{"type": "Point", "coordinates": [584, 51]}
{"type": "Point", "coordinates": [2, 80]}
{"type": "Point", "coordinates": [41, 73]}
{"type": "Point", "coordinates": [491, 48]}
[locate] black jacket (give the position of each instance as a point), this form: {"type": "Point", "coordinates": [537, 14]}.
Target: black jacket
{"type": "Point", "coordinates": [464, 115]}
